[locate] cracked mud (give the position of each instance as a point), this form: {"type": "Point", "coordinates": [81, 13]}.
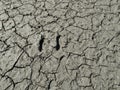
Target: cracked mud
{"type": "Point", "coordinates": [59, 44]}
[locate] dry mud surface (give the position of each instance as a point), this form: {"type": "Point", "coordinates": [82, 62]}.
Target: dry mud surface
{"type": "Point", "coordinates": [59, 44]}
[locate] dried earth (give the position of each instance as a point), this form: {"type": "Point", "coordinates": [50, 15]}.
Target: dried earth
{"type": "Point", "coordinates": [59, 44]}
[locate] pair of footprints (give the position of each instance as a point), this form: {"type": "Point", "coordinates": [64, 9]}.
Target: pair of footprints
{"type": "Point", "coordinates": [57, 47]}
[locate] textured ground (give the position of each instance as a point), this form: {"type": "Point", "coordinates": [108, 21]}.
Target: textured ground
{"type": "Point", "coordinates": [59, 44]}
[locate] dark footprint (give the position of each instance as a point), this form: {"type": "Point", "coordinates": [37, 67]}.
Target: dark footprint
{"type": "Point", "coordinates": [57, 42]}
{"type": "Point", "coordinates": [41, 43]}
